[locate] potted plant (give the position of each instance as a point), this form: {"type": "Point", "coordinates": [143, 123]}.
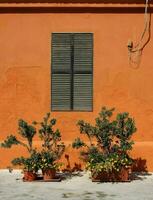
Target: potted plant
{"type": "Point", "coordinates": [107, 152]}
{"type": "Point", "coordinates": [112, 168]}
{"type": "Point", "coordinates": [30, 165]}
{"type": "Point", "coordinates": [49, 165]}
{"type": "Point", "coordinates": [26, 131]}
{"type": "Point", "coordinates": [52, 147]}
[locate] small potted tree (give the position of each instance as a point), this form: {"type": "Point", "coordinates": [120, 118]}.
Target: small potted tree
{"type": "Point", "coordinates": [52, 147]}
{"type": "Point", "coordinates": [107, 152]}
{"type": "Point", "coordinates": [27, 132]}
{"type": "Point", "coordinates": [30, 165]}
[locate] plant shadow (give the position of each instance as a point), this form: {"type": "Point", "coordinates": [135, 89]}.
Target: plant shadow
{"type": "Point", "coordinates": [139, 170]}
{"type": "Point", "coordinates": [86, 195]}
{"type": "Point", "coordinates": [69, 172]}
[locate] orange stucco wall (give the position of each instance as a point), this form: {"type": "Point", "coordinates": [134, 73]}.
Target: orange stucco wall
{"type": "Point", "coordinates": [25, 57]}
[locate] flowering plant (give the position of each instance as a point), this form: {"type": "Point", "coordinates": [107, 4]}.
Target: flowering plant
{"type": "Point", "coordinates": [112, 163]}
{"type": "Point", "coordinates": [52, 147]}
{"type": "Point", "coordinates": [109, 142]}
{"type": "Point", "coordinates": [31, 164]}
{"type": "Point", "coordinates": [48, 161]}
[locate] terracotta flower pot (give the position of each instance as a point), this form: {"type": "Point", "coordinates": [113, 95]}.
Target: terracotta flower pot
{"type": "Point", "coordinates": [49, 174]}
{"type": "Point", "coordinates": [114, 176]}
{"type": "Point", "coordinates": [124, 174]}
{"type": "Point", "coordinates": [29, 176]}
{"type": "Point", "coordinates": [101, 177]}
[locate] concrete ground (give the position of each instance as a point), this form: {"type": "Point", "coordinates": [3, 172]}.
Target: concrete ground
{"type": "Point", "coordinates": [75, 188]}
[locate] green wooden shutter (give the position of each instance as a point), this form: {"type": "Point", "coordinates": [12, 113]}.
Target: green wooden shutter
{"type": "Point", "coordinates": [83, 72]}
{"type": "Point", "coordinates": [72, 72]}
{"type": "Point", "coordinates": [61, 72]}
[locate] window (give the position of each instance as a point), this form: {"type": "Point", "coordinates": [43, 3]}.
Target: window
{"type": "Point", "coordinates": [72, 72]}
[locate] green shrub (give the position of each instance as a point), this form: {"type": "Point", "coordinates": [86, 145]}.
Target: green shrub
{"type": "Point", "coordinates": [109, 141]}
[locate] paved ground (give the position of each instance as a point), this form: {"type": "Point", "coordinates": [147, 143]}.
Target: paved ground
{"type": "Point", "coordinates": [75, 188]}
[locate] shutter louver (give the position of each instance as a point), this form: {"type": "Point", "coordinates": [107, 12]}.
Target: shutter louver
{"type": "Point", "coordinates": [83, 53]}
{"type": "Point", "coordinates": [61, 71]}
{"type": "Point", "coordinates": [83, 70]}
{"type": "Point", "coordinates": [82, 92]}
{"type": "Point", "coordinates": [61, 53]}
{"type": "Point", "coordinates": [61, 92]}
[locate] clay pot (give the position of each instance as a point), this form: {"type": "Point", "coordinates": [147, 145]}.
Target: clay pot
{"type": "Point", "coordinates": [29, 176]}
{"type": "Point", "coordinates": [101, 177]}
{"type": "Point", "coordinates": [49, 174]}
{"type": "Point", "coordinates": [124, 174]}
{"type": "Point", "coordinates": [121, 176]}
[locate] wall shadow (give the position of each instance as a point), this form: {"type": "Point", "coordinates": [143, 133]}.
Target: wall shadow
{"type": "Point", "coordinates": [139, 170]}
{"type": "Point", "coordinates": [121, 10]}
{"type": "Point", "coordinates": [68, 168]}
{"type": "Point", "coordinates": [140, 165]}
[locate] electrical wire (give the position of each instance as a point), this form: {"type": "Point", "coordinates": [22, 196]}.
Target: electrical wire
{"type": "Point", "coordinates": [135, 51]}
